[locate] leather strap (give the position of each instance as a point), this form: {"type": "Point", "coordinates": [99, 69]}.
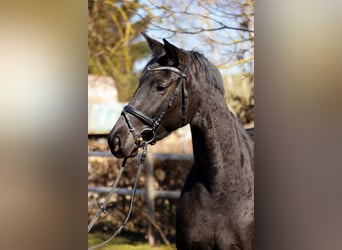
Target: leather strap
{"type": "Point", "coordinates": [144, 118]}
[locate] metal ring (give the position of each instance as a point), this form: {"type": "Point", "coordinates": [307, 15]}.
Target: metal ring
{"type": "Point", "coordinates": [148, 135]}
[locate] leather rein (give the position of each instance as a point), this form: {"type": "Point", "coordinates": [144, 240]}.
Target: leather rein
{"type": "Point", "coordinates": [146, 137]}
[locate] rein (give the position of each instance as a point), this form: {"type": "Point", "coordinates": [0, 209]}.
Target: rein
{"type": "Point", "coordinates": [146, 137]}
{"type": "Point", "coordinates": [102, 206]}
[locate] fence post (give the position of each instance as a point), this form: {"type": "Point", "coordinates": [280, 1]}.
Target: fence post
{"type": "Point", "coordinates": [150, 197]}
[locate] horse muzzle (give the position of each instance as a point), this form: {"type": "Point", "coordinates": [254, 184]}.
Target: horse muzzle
{"type": "Point", "coordinates": [123, 143]}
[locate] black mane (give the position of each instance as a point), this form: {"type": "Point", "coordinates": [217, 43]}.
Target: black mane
{"type": "Point", "coordinates": [211, 73]}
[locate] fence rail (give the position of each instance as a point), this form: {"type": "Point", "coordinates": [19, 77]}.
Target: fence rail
{"type": "Point", "coordinates": [142, 192]}
{"type": "Point", "coordinates": [156, 156]}
{"type": "Point", "coordinates": [139, 192]}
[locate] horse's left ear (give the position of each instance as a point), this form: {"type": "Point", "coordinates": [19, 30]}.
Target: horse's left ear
{"type": "Point", "coordinates": [156, 47]}
{"type": "Point", "coordinates": [175, 55]}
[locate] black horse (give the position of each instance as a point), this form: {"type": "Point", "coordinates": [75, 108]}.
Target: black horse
{"type": "Point", "coordinates": [177, 87]}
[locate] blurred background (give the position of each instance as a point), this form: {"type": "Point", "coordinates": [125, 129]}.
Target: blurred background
{"type": "Point", "coordinates": [117, 52]}
{"type": "Point", "coordinates": [44, 108]}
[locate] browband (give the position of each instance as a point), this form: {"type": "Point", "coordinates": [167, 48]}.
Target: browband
{"type": "Point", "coordinates": [173, 69]}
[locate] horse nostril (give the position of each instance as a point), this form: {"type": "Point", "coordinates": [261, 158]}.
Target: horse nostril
{"type": "Point", "coordinates": [116, 144]}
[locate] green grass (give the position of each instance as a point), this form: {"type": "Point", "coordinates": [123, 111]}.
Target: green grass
{"type": "Point", "coordinates": [120, 243]}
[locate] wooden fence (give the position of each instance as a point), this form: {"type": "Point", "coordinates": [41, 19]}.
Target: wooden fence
{"type": "Point", "coordinates": [149, 190]}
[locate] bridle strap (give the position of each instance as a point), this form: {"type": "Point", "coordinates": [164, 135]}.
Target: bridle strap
{"type": "Point", "coordinates": [184, 101]}
{"type": "Point", "coordinates": [173, 69]}
{"type": "Point", "coordinates": [140, 115]}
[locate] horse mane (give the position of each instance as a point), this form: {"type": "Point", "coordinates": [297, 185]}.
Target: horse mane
{"type": "Point", "coordinates": [212, 74]}
{"type": "Point", "coordinates": [213, 77]}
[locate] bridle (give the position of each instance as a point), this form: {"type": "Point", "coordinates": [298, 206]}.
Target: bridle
{"type": "Point", "coordinates": [148, 135]}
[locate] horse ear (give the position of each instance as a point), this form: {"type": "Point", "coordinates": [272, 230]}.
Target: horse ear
{"type": "Point", "coordinates": [155, 46]}
{"type": "Point", "coordinates": [175, 55]}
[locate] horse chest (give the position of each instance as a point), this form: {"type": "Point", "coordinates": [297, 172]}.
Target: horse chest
{"type": "Point", "coordinates": [204, 219]}
{"type": "Point", "coordinates": [199, 212]}
{"type": "Point", "coordinates": [203, 225]}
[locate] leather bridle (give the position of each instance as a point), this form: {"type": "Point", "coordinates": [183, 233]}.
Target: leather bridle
{"type": "Point", "coordinates": [148, 135]}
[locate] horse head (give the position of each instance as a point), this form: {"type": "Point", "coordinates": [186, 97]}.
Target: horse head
{"type": "Point", "coordinates": [162, 102]}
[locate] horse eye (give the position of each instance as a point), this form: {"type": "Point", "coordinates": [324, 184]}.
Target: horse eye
{"type": "Point", "coordinates": [161, 87]}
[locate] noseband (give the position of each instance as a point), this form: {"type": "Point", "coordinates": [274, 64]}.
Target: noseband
{"type": "Point", "coordinates": [148, 135]}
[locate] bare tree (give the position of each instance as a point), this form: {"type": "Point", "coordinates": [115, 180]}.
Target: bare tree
{"type": "Point", "coordinates": [113, 28]}
{"type": "Point", "coordinates": [226, 27]}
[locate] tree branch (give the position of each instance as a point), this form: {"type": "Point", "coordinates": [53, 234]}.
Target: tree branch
{"type": "Point", "coordinates": [200, 30]}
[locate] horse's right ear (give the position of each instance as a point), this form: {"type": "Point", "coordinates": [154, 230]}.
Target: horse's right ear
{"type": "Point", "coordinates": [156, 47]}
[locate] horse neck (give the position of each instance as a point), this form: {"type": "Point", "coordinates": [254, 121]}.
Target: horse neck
{"type": "Point", "coordinates": [217, 145]}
